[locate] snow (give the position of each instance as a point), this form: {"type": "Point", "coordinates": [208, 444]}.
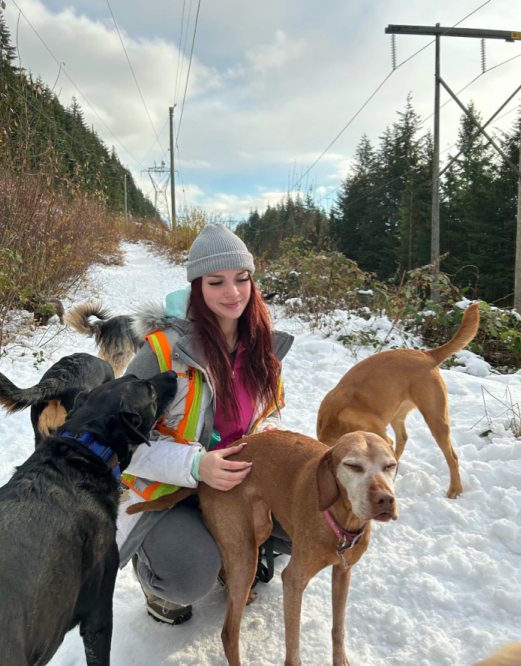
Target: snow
{"type": "Point", "coordinates": [441, 586]}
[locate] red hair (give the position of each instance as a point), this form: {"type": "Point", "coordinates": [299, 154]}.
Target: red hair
{"type": "Point", "coordinates": [261, 371]}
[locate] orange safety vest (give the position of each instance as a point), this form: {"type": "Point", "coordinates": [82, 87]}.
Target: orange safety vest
{"type": "Point", "coordinates": [186, 430]}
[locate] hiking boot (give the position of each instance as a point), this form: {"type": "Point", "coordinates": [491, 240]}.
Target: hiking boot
{"type": "Point", "coordinates": [165, 611]}
{"type": "Point", "coordinates": [160, 609]}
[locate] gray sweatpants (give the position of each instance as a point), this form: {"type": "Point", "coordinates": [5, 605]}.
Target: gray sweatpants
{"type": "Point", "coordinates": [179, 559]}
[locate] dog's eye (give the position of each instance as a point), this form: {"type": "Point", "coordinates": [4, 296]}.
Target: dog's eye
{"type": "Point", "coordinates": [391, 466]}
{"type": "Point", "coordinates": [355, 468]}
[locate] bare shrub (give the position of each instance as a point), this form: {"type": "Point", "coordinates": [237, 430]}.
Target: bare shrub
{"type": "Point", "coordinates": [174, 243]}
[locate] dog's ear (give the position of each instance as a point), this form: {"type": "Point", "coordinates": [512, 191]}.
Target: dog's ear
{"type": "Point", "coordinates": [130, 423]}
{"type": "Point", "coordinates": [80, 400]}
{"type": "Point", "coordinates": [328, 491]}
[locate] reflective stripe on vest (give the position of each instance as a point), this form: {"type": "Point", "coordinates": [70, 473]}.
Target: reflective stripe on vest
{"type": "Point", "coordinates": [186, 430]}
{"type": "Point", "coordinates": [271, 407]}
{"type": "Point", "coordinates": [159, 343]}
{"type": "Point", "coordinates": [148, 490]}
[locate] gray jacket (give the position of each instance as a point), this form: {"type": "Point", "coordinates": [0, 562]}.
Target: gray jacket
{"type": "Point", "coordinates": [166, 460]}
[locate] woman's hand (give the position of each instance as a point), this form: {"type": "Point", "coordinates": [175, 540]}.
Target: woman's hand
{"type": "Point", "coordinates": [270, 426]}
{"type": "Point", "coordinates": [220, 473]}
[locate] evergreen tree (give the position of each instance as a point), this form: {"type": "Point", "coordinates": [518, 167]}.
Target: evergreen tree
{"type": "Point", "coordinates": [38, 133]}
{"type": "Point", "coordinates": [468, 209]}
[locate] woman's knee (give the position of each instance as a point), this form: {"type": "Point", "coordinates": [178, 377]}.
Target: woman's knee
{"type": "Point", "coordinates": [179, 559]}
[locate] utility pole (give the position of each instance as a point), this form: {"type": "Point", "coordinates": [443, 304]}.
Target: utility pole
{"type": "Point", "coordinates": [159, 176]}
{"type": "Point", "coordinates": [438, 32]}
{"type": "Point", "coordinates": [126, 212]}
{"type": "Point", "coordinates": [517, 279]}
{"type": "Point", "coordinates": [435, 212]}
{"type": "Point", "coordinates": [172, 172]}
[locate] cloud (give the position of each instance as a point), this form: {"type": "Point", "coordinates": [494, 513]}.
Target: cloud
{"type": "Point", "coordinates": [271, 83]}
{"type": "Point", "coordinates": [277, 54]}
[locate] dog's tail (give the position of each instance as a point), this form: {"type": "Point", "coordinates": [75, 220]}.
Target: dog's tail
{"type": "Point", "coordinates": [467, 330]}
{"type": "Point", "coordinates": [14, 399]}
{"type": "Point", "coordinates": [115, 337]}
{"type": "Point", "coordinates": [162, 503]}
{"type": "Point", "coordinates": [510, 655]}
{"type": "Point", "coordinates": [78, 317]}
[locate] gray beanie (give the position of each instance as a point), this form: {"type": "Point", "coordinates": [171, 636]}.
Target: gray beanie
{"type": "Point", "coordinates": [217, 249]}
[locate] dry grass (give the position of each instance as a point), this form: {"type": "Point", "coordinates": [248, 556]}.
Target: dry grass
{"type": "Point", "coordinates": [174, 243]}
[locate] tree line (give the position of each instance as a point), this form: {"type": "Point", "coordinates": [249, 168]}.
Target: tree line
{"type": "Point", "coordinates": [37, 132]}
{"type": "Point", "coordinates": [381, 216]}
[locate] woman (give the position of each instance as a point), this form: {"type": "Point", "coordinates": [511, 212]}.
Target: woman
{"type": "Point", "coordinates": [228, 362]}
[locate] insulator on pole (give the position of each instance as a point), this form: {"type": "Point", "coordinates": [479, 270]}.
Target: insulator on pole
{"type": "Point", "coordinates": [483, 57]}
{"type": "Point", "coordinates": [393, 51]}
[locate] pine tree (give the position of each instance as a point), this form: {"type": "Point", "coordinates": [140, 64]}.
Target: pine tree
{"type": "Point", "coordinates": [469, 202]}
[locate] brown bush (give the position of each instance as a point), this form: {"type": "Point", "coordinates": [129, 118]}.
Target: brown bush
{"type": "Point", "coordinates": [49, 236]}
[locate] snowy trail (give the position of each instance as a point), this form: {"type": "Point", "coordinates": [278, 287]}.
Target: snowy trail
{"type": "Point", "coordinates": [441, 586]}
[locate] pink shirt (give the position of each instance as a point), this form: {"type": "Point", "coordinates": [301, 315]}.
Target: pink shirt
{"type": "Point", "coordinates": [231, 431]}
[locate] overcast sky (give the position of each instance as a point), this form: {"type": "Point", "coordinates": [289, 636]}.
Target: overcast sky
{"type": "Point", "coordinates": [271, 83]}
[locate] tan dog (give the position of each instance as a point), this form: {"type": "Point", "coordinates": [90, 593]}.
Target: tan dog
{"type": "Point", "coordinates": [384, 388]}
{"type": "Point", "coordinates": [510, 655]}
{"type": "Point", "coordinates": [297, 479]}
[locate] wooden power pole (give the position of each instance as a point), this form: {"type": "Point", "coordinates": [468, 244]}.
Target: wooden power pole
{"type": "Point", "coordinates": [517, 279]}
{"type": "Point", "coordinates": [435, 211]}
{"type": "Point", "coordinates": [438, 32]}
{"type": "Point", "coordinates": [172, 172]}
{"type": "Point", "coordinates": [126, 210]}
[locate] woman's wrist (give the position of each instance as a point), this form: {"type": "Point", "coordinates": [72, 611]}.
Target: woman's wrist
{"type": "Point", "coordinates": [194, 470]}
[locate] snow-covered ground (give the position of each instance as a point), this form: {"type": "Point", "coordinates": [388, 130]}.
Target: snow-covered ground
{"type": "Point", "coordinates": [441, 586]}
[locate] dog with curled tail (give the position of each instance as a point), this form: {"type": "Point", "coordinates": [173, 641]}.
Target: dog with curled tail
{"type": "Point", "coordinates": [114, 336]}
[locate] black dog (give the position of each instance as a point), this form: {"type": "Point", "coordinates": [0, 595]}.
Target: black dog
{"type": "Point", "coordinates": [114, 336]}
{"type": "Point", "coordinates": [53, 397]}
{"type": "Point", "coordinates": [58, 558]}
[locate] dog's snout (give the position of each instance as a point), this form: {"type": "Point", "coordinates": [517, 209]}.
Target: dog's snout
{"type": "Point", "coordinates": [383, 499]}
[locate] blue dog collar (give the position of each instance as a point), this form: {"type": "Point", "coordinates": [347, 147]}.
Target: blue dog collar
{"type": "Point", "coordinates": [104, 452]}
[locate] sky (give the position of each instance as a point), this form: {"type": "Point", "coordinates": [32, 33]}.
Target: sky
{"type": "Point", "coordinates": [271, 84]}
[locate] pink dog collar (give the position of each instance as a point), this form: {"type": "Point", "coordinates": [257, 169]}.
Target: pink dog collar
{"type": "Point", "coordinates": [346, 540]}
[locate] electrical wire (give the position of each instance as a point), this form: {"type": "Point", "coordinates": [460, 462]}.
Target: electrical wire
{"type": "Point", "coordinates": [180, 58]}
{"type": "Point", "coordinates": [470, 83]}
{"type": "Point", "coordinates": [133, 74]}
{"type": "Point", "coordinates": [74, 84]}
{"type": "Point", "coordinates": [188, 73]}
{"type": "Point", "coordinates": [379, 87]}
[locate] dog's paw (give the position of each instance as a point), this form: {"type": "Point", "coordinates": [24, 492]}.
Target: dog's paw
{"type": "Point", "coordinates": [251, 597]}
{"type": "Point", "coordinates": [454, 492]}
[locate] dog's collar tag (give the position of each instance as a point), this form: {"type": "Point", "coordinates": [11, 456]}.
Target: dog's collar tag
{"type": "Point", "coordinates": [346, 540]}
{"type": "Point", "coordinates": [104, 452]}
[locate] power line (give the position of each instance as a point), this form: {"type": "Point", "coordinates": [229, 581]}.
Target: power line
{"type": "Point", "coordinates": [49, 118]}
{"type": "Point", "coordinates": [52, 120]}
{"type": "Point", "coordinates": [133, 74]}
{"type": "Point", "coordinates": [179, 59]}
{"type": "Point", "coordinates": [343, 130]}
{"type": "Point", "coordinates": [430, 116]}
{"type": "Point", "coordinates": [181, 50]}
{"type": "Point", "coordinates": [188, 74]}
{"type": "Point", "coordinates": [179, 74]}
{"type": "Point", "coordinates": [397, 177]}
{"type": "Point", "coordinates": [157, 139]}
{"type": "Point", "coordinates": [470, 83]}
{"type": "Point", "coordinates": [74, 84]}
{"type": "Point", "coordinates": [181, 173]}
{"type": "Point", "coordinates": [376, 91]}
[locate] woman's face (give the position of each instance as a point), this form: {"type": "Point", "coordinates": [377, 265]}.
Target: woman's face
{"type": "Point", "coordinates": [227, 293]}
